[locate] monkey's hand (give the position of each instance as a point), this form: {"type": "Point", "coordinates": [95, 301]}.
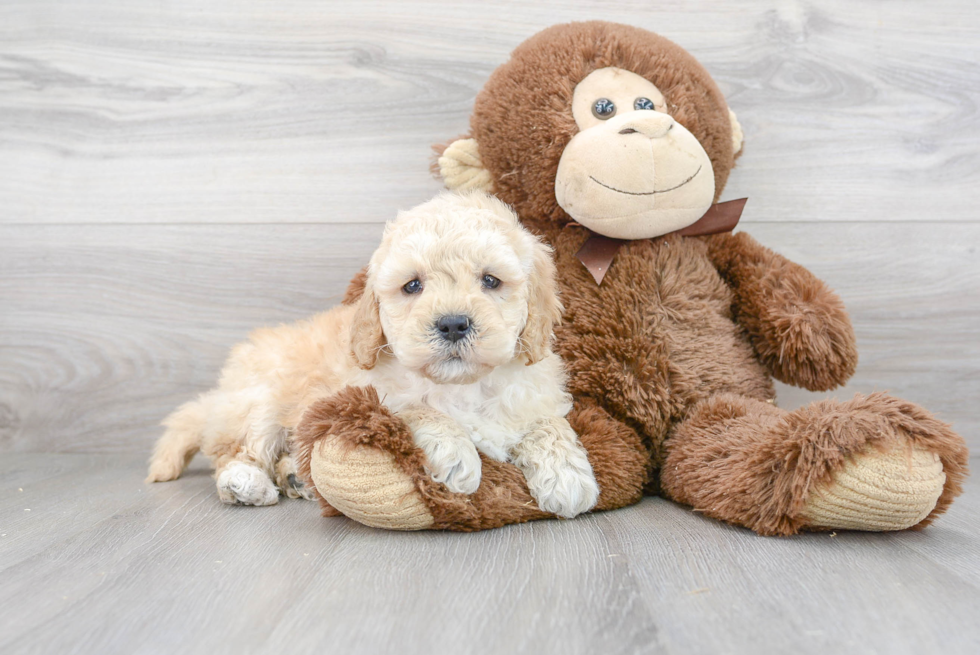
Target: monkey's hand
{"type": "Point", "coordinates": [798, 326]}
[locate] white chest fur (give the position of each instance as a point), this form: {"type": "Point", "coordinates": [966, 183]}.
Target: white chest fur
{"type": "Point", "coordinates": [496, 411]}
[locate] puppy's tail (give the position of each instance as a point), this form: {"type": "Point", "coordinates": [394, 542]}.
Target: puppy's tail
{"type": "Point", "coordinates": [181, 441]}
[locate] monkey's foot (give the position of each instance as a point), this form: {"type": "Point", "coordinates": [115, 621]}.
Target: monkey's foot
{"type": "Point", "coordinates": [878, 491]}
{"type": "Point", "coordinates": [873, 463]}
{"type": "Point", "coordinates": [366, 485]}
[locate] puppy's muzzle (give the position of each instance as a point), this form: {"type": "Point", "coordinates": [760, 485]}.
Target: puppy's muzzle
{"type": "Point", "coordinates": [453, 328]}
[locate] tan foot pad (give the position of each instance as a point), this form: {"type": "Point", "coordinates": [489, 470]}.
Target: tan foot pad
{"type": "Point", "coordinates": [367, 486]}
{"type": "Point", "coordinates": [879, 491]}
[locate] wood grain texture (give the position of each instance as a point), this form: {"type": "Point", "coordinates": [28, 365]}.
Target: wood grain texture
{"type": "Point", "coordinates": [172, 176]}
{"type": "Point", "coordinates": [103, 564]}
{"type": "Point", "coordinates": [307, 111]}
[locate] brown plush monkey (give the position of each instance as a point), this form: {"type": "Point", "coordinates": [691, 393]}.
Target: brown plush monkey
{"type": "Point", "coordinates": [603, 128]}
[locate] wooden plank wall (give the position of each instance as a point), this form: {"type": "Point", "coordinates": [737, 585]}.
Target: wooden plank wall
{"type": "Point", "coordinates": [174, 174]}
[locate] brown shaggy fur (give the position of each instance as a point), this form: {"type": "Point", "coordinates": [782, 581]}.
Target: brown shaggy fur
{"type": "Point", "coordinates": [798, 326]}
{"type": "Point", "coordinates": [671, 359]}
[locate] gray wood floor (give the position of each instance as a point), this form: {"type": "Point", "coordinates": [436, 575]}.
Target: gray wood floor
{"type": "Point", "coordinates": [93, 561]}
{"type": "Point", "coordinates": [175, 174]}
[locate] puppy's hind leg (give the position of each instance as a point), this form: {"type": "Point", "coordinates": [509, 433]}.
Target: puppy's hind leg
{"type": "Point", "coordinates": [244, 466]}
{"type": "Point", "coordinates": [289, 481]}
{"type": "Point", "coordinates": [181, 441]}
{"type": "Point", "coordinates": [241, 482]}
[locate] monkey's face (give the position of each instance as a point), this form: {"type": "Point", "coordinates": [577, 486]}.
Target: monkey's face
{"type": "Point", "coordinates": [609, 125]}
{"type": "Point", "coordinates": [632, 171]}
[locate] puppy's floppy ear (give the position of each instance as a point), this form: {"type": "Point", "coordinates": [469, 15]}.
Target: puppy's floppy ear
{"type": "Point", "coordinates": [543, 307]}
{"type": "Point", "coordinates": [355, 289]}
{"type": "Point", "coordinates": [366, 336]}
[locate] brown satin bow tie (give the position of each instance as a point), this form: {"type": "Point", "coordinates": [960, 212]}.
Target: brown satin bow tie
{"type": "Point", "coordinates": [598, 252]}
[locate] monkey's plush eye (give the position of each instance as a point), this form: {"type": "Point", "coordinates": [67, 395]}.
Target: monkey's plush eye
{"type": "Point", "coordinates": [413, 287]}
{"type": "Point", "coordinates": [603, 109]}
{"type": "Point", "coordinates": [643, 103]}
{"type": "Point", "coordinates": [490, 282]}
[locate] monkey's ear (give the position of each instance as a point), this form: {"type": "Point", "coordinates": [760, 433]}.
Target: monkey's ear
{"type": "Point", "coordinates": [366, 336]}
{"type": "Point", "coordinates": [461, 168]}
{"type": "Point", "coordinates": [736, 133]}
{"type": "Point", "coordinates": [543, 307]}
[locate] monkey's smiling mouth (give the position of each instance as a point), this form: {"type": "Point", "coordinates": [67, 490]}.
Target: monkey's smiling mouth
{"type": "Point", "coordinates": [647, 193]}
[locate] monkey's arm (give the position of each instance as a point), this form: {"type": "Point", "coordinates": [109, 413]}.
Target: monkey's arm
{"type": "Point", "coordinates": [798, 326]}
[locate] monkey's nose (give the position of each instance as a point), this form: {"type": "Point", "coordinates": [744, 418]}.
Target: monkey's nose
{"type": "Point", "coordinates": [651, 124]}
{"type": "Point", "coordinates": [453, 328]}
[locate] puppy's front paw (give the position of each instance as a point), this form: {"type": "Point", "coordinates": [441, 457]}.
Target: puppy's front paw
{"type": "Point", "coordinates": [240, 483]}
{"type": "Point", "coordinates": [558, 473]}
{"type": "Point", "coordinates": [566, 491]}
{"type": "Point", "coordinates": [452, 460]}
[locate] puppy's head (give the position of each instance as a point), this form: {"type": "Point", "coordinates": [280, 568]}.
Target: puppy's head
{"type": "Point", "coordinates": [457, 288]}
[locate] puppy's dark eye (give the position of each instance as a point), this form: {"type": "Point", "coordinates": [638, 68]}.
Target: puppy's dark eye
{"type": "Point", "coordinates": [643, 103]}
{"type": "Point", "coordinates": [603, 109]}
{"type": "Point", "coordinates": [490, 282]}
{"type": "Point", "coordinates": [413, 287]}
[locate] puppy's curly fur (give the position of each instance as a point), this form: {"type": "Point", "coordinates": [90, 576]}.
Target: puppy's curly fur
{"type": "Point", "coordinates": [453, 329]}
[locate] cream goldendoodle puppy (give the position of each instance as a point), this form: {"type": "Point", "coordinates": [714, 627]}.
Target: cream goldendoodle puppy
{"type": "Point", "coordinates": [454, 331]}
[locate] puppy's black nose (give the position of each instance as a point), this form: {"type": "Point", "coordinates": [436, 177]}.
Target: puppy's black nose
{"type": "Point", "coordinates": [453, 328]}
